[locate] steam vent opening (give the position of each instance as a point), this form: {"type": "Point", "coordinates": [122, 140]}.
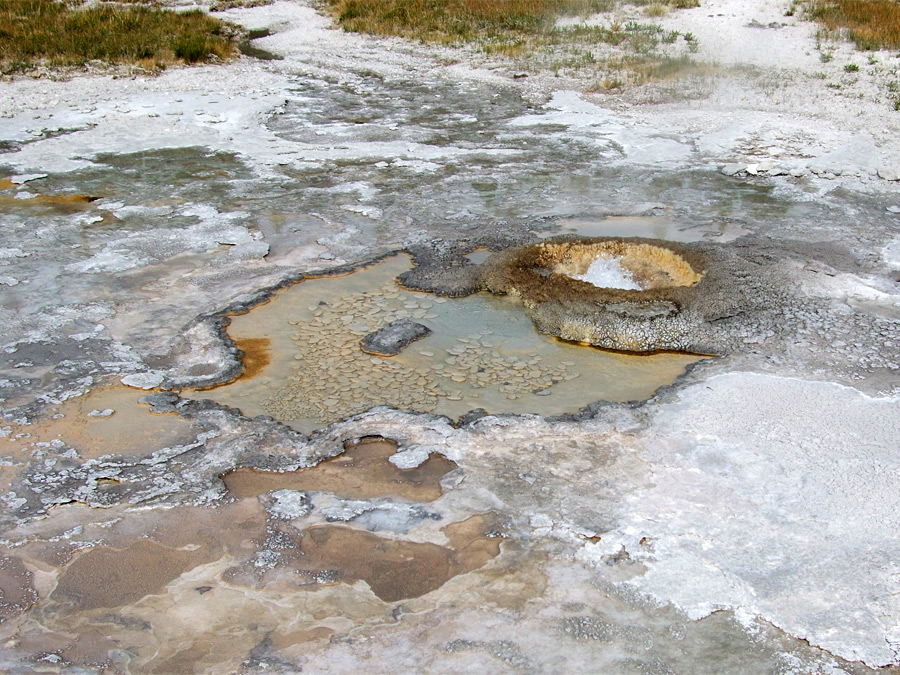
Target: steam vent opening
{"type": "Point", "coordinates": [626, 295]}
{"type": "Point", "coordinates": [621, 265]}
{"type": "Point", "coordinates": [481, 351]}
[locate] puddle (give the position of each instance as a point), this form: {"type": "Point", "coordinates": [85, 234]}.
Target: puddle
{"type": "Point", "coordinates": [362, 471]}
{"type": "Point", "coordinates": [483, 352]}
{"type": "Point", "coordinates": [478, 256]}
{"type": "Point", "coordinates": [105, 577]}
{"type": "Point", "coordinates": [395, 570]}
{"type": "Point", "coordinates": [107, 421]}
{"type": "Point", "coordinates": [650, 227]}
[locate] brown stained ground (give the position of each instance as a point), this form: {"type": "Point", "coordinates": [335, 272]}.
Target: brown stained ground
{"type": "Point", "coordinates": [16, 590]}
{"type": "Point", "coordinates": [59, 203]}
{"type": "Point", "coordinates": [362, 471]}
{"type": "Point", "coordinates": [257, 354]}
{"type": "Point", "coordinates": [396, 570]}
{"type": "Point", "coordinates": [6, 184]}
{"type": "Point", "coordinates": [131, 430]}
{"type": "Point", "coordinates": [285, 640]}
{"type": "Point", "coordinates": [106, 577]}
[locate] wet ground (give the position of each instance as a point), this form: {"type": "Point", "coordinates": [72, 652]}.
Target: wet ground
{"type": "Point", "coordinates": [274, 498]}
{"type": "Point", "coordinates": [483, 353]}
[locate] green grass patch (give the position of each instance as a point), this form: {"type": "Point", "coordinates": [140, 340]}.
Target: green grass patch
{"type": "Point", "coordinates": [36, 32]}
{"type": "Point", "coordinates": [870, 24]}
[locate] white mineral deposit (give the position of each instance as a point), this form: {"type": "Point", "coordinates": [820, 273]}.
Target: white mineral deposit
{"type": "Point", "coordinates": [603, 465]}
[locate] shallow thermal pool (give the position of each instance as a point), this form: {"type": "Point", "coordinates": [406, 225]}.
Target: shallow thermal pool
{"type": "Point", "coordinates": [483, 352]}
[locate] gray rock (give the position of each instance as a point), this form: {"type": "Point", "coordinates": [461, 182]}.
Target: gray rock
{"type": "Point", "coordinates": [798, 173]}
{"type": "Point", "coordinates": [893, 209]}
{"type": "Point", "coordinates": [161, 403]}
{"type": "Point", "coordinates": [393, 338]}
{"type": "Point", "coordinates": [148, 380]}
{"type": "Point", "coordinates": [888, 174]}
{"type": "Point", "coordinates": [732, 169]}
{"type": "Point", "coordinates": [252, 250]}
{"type": "Point", "coordinates": [410, 458]}
{"type": "Point", "coordinates": [21, 179]}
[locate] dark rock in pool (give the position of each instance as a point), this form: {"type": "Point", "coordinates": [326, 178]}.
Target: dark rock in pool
{"type": "Point", "coordinates": [393, 338]}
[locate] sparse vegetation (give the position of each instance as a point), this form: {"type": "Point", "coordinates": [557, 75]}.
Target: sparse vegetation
{"type": "Point", "coordinates": [45, 32]}
{"type": "Point", "coordinates": [456, 20]}
{"type": "Point", "coordinates": [620, 51]}
{"type": "Point", "coordinates": [851, 68]}
{"type": "Point", "coordinates": [870, 24]}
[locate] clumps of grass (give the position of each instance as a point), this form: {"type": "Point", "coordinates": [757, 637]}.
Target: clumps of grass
{"type": "Point", "coordinates": [456, 20]}
{"type": "Point", "coordinates": [527, 31]}
{"type": "Point", "coordinates": [669, 4]}
{"type": "Point", "coordinates": [870, 24]}
{"type": "Point", "coordinates": [45, 32]}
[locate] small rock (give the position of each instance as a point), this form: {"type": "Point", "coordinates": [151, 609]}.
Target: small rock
{"type": "Point", "coordinates": [149, 380]}
{"type": "Point", "coordinates": [161, 403]}
{"type": "Point", "coordinates": [393, 338]}
{"type": "Point", "coordinates": [888, 174]}
{"type": "Point", "coordinates": [288, 504]}
{"type": "Point", "coordinates": [23, 178]}
{"type": "Point", "coordinates": [893, 209]}
{"type": "Point", "coordinates": [252, 250]}
{"type": "Point", "coordinates": [731, 169]}
{"type": "Point", "coordinates": [410, 458]}
{"type": "Point", "coordinates": [777, 171]}
{"type": "Point", "coordinates": [753, 169]}
{"type": "Point", "coordinates": [107, 412]}
{"type": "Point", "coordinates": [798, 173]}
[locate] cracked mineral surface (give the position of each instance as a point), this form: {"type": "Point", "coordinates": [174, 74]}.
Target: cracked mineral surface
{"type": "Point", "coordinates": [199, 476]}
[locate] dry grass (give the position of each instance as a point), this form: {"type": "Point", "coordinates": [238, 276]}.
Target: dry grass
{"type": "Point", "coordinates": [527, 32]}
{"type": "Point", "coordinates": [465, 20]}
{"type": "Point", "coordinates": [44, 32]}
{"type": "Point", "coordinates": [456, 20]}
{"type": "Point", "coordinates": [871, 24]}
